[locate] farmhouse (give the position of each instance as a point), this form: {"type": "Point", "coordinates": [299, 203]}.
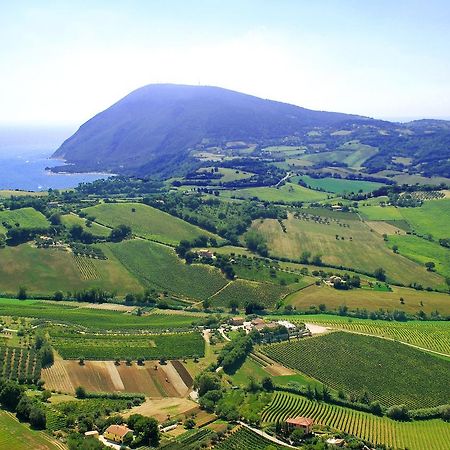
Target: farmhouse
{"type": "Point", "coordinates": [92, 433]}
{"type": "Point", "coordinates": [303, 423]}
{"type": "Point", "coordinates": [237, 321]}
{"type": "Point", "coordinates": [116, 433]}
{"type": "Point", "coordinates": [333, 280]}
{"type": "Point", "coordinates": [205, 254]}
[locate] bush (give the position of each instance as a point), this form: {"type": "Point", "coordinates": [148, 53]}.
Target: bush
{"type": "Point", "coordinates": [398, 412]}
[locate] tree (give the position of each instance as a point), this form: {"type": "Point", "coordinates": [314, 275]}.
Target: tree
{"type": "Point", "coordinates": [120, 233]}
{"type": "Point", "coordinates": [267, 384]}
{"type": "Point", "coordinates": [10, 395]}
{"type": "Point", "coordinates": [297, 436]}
{"type": "Point", "coordinates": [38, 418]}
{"type": "Point", "coordinates": [80, 392]}
{"type": "Point", "coordinates": [75, 232]}
{"type": "Point", "coordinates": [304, 257]}
{"type": "Point", "coordinates": [207, 382]}
{"type": "Point", "coordinates": [58, 296]}
{"type": "Point", "coordinates": [317, 260]}
{"type": "Point", "coordinates": [147, 430]}
{"type": "Point", "coordinates": [23, 408]}
{"type": "Point", "coordinates": [45, 395]}
{"type": "Point", "coordinates": [206, 304]}
{"type": "Point", "coordinates": [430, 265]}
{"type": "Point", "coordinates": [47, 358]}
{"type": "Point", "coordinates": [375, 408]}
{"type": "Point", "coordinates": [189, 423]}
{"type": "Point", "coordinates": [233, 305]}
{"type": "Point", "coordinates": [395, 248]}
{"type": "Point", "coordinates": [380, 274]}
{"type": "Point", "coordinates": [22, 293]}
{"type": "Point", "coordinates": [398, 412]}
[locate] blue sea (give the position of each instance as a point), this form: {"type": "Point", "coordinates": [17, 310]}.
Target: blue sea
{"type": "Point", "coordinates": [24, 155]}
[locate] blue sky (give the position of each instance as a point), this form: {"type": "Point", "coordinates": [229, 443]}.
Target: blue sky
{"type": "Point", "coordinates": [64, 61]}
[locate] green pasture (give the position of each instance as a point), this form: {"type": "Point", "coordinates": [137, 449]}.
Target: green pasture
{"type": "Point", "coordinates": [24, 217]}
{"type": "Point", "coordinates": [145, 221]}
{"type": "Point", "coordinates": [338, 185]}
{"type": "Point", "coordinates": [69, 220]}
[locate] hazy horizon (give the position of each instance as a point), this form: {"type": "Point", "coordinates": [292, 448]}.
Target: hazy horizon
{"type": "Point", "coordinates": [65, 62]}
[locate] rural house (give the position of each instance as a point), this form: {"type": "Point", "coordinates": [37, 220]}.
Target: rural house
{"type": "Point", "coordinates": [116, 433]}
{"type": "Point", "coordinates": [303, 423]}
{"type": "Point", "coordinates": [237, 321]}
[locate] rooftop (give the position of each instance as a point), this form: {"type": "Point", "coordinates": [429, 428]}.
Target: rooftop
{"type": "Point", "coordinates": [303, 421]}
{"type": "Point", "coordinates": [118, 430]}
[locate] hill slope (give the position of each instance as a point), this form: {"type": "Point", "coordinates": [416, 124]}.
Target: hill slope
{"type": "Point", "coordinates": [152, 129]}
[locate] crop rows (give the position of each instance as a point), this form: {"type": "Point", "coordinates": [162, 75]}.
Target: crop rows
{"type": "Point", "coordinates": [189, 441]}
{"type": "Point", "coordinates": [428, 335]}
{"type": "Point", "coordinates": [378, 430]}
{"type": "Point", "coordinates": [19, 364]}
{"type": "Point", "coordinates": [388, 371]}
{"type": "Point", "coordinates": [86, 267]}
{"type": "Point", "coordinates": [245, 438]}
{"type": "Point", "coordinates": [110, 347]}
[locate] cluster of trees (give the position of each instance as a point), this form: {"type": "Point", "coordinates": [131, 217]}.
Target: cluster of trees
{"type": "Point", "coordinates": [234, 353]}
{"type": "Point", "coordinates": [14, 398]}
{"type": "Point", "coordinates": [256, 242]}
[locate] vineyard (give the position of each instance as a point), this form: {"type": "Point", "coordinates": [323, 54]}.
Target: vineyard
{"type": "Point", "coordinates": [86, 267]}
{"type": "Point", "coordinates": [109, 347]}
{"type": "Point", "coordinates": [415, 435]}
{"type": "Point", "coordinates": [19, 364]}
{"type": "Point", "coordinates": [93, 318]}
{"type": "Point", "coordinates": [387, 371]}
{"type": "Point", "coordinates": [243, 291]}
{"type": "Point", "coordinates": [189, 440]}
{"type": "Point", "coordinates": [245, 438]}
{"type": "Point", "coordinates": [425, 334]}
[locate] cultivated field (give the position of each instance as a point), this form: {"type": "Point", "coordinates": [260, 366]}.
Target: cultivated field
{"type": "Point", "coordinates": [390, 372]}
{"type": "Point", "coordinates": [18, 436]}
{"type": "Point", "coordinates": [94, 319]}
{"type": "Point", "coordinates": [338, 185]}
{"type": "Point", "coordinates": [70, 220]}
{"type": "Point", "coordinates": [429, 335]}
{"type": "Point", "coordinates": [158, 266]}
{"type": "Point", "coordinates": [339, 242]}
{"type": "Point", "coordinates": [415, 435]}
{"type": "Point", "coordinates": [44, 271]}
{"type": "Point", "coordinates": [71, 345]}
{"type": "Point", "coordinates": [371, 299]}
{"type": "Point", "coordinates": [288, 193]}
{"type": "Point", "coordinates": [19, 364]}
{"type": "Point", "coordinates": [146, 221]}
{"type": "Point", "coordinates": [151, 379]}
{"type": "Point", "coordinates": [242, 437]}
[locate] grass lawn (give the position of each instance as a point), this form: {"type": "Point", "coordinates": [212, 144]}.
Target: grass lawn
{"type": "Point", "coordinates": [288, 193]}
{"type": "Point", "coordinates": [146, 221]}
{"type": "Point", "coordinates": [371, 300]}
{"type": "Point", "coordinates": [18, 436]}
{"type": "Point", "coordinates": [390, 372]}
{"type": "Point", "coordinates": [356, 247]}
{"type": "Point", "coordinates": [44, 271]}
{"type": "Point", "coordinates": [249, 369]}
{"type": "Point", "coordinates": [337, 185]}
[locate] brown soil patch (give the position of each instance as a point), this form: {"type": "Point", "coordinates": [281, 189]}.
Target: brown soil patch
{"type": "Point", "coordinates": [140, 379]}
{"type": "Point", "coordinates": [381, 228]}
{"type": "Point", "coordinates": [183, 372]}
{"type": "Point", "coordinates": [163, 407]}
{"type": "Point", "coordinates": [57, 378]}
{"type": "Point", "coordinates": [277, 370]}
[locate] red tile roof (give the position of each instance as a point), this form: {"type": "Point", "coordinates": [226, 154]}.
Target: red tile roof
{"type": "Point", "coordinates": [118, 430]}
{"type": "Point", "coordinates": [302, 421]}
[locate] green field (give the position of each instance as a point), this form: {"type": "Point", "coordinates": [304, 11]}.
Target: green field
{"type": "Point", "coordinates": [371, 299]}
{"type": "Point", "coordinates": [244, 291]}
{"type": "Point", "coordinates": [391, 372]}
{"type": "Point", "coordinates": [431, 218]}
{"type": "Point", "coordinates": [44, 271]}
{"type": "Point", "coordinates": [338, 185]}
{"type": "Point", "coordinates": [415, 435]}
{"type": "Point", "coordinates": [157, 266]}
{"type": "Point", "coordinates": [146, 221]}
{"type": "Point", "coordinates": [356, 247]}
{"type": "Point", "coordinates": [288, 193]}
{"type": "Point", "coordinates": [430, 335]}
{"type": "Point", "coordinates": [376, 212]}
{"type": "Point", "coordinates": [18, 436]}
{"type": "Point", "coordinates": [423, 251]}
{"type": "Point", "coordinates": [107, 347]}
{"type": "Point", "coordinates": [94, 319]}
{"type": "Point", "coordinates": [25, 217]}
{"type": "Point", "coordinates": [69, 220]}
{"type": "Point", "coordinates": [228, 175]}
{"type": "Point", "coordinates": [244, 438]}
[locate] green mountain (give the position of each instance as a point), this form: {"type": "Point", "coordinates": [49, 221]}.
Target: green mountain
{"type": "Point", "coordinates": [154, 129]}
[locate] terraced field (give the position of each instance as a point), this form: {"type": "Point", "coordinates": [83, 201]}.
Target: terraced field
{"type": "Point", "coordinates": [146, 221]}
{"type": "Point", "coordinates": [388, 371]}
{"type": "Point", "coordinates": [157, 266]}
{"type": "Point", "coordinates": [415, 435]}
